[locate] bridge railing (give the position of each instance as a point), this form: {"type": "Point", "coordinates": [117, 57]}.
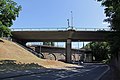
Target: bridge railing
{"type": "Point", "coordinates": [60, 29]}
{"type": "Point", "coordinates": [93, 29]}
{"type": "Point", "coordinates": [37, 29]}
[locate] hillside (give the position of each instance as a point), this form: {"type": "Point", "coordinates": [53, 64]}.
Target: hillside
{"type": "Point", "coordinates": [11, 51]}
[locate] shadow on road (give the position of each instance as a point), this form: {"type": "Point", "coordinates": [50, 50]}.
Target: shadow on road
{"type": "Point", "coordinates": [11, 65]}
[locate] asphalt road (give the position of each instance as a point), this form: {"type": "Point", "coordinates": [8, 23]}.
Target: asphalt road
{"type": "Point", "coordinates": [88, 72]}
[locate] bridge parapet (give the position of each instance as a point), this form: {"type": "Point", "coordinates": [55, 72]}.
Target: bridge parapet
{"type": "Point", "coordinates": [60, 29]}
{"type": "Point", "coordinates": [93, 29]}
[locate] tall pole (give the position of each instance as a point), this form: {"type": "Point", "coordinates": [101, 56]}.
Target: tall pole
{"type": "Point", "coordinates": [71, 20]}
{"type": "Point", "coordinates": [68, 23]}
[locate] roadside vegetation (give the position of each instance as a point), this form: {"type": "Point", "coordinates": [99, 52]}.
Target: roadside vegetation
{"type": "Point", "coordinates": [112, 11]}
{"type": "Point", "coordinates": [100, 51]}
{"type": "Point", "coordinates": [9, 11]}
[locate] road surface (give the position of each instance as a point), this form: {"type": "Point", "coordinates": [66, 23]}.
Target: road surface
{"type": "Point", "coordinates": [88, 72]}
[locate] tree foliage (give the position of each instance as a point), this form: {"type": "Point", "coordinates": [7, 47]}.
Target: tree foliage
{"type": "Point", "coordinates": [4, 31]}
{"type": "Point", "coordinates": [9, 10]}
{"type": "Point", "coordinates": [100, 50]}
{"type": "Point", "coordinates": [112, 11]}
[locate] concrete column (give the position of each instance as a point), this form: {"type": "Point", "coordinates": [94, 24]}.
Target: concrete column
{"type": "Point", "coordinates": [68, 51]}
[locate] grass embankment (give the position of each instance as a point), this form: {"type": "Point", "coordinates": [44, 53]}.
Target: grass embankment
{"type": "Point", "coordinates": [12, 52]}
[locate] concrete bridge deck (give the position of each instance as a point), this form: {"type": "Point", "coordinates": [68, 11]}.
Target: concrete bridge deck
{"type": "Point", "coordinates": [59, 35]}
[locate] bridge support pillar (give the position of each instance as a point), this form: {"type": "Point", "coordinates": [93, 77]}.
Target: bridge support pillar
{"type": "Point", "coordinates": [68, 51]}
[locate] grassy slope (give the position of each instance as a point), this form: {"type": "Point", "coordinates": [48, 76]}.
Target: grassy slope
{"type": "Point", "coordinates": [11, 51]}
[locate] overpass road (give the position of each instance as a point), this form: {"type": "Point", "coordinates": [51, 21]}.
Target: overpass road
{"type": "Point", "coordinates": [60, 35]}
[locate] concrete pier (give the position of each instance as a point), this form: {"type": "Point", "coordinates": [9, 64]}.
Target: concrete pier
{"type": "Point", "coordinates": [68, 51]}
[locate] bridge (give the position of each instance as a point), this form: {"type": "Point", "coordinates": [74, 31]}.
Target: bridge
{"type": "Point", "coordinates": [60, 35]}
{"type": "Point", "coordinates": [58, 53]}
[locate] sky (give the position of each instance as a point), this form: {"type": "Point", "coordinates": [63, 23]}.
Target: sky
{"type": "Point", "coordinates": [54, 14]}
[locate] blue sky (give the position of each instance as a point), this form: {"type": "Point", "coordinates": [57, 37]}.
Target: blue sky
{"type": "Point", "coordinates": [54, 14]}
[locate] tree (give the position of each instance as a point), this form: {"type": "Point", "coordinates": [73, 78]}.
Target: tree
{"type": "Point", "coordinates": [9, 10]}
{"type": "Point", "coordinates": [4, 31]}
{"type": "Point", "coordinates": [112, 11]}
{"type": "Point", "coordinates": [100, 50]}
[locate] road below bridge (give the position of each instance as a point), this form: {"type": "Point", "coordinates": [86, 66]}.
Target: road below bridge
{"type": "Point", "coordinates": [87, 72]}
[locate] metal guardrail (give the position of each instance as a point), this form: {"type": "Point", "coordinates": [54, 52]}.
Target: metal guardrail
{"type": "Point", "coordinates": [93, 29]}
{"type": "Point", "coordinates": [60, 29]}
